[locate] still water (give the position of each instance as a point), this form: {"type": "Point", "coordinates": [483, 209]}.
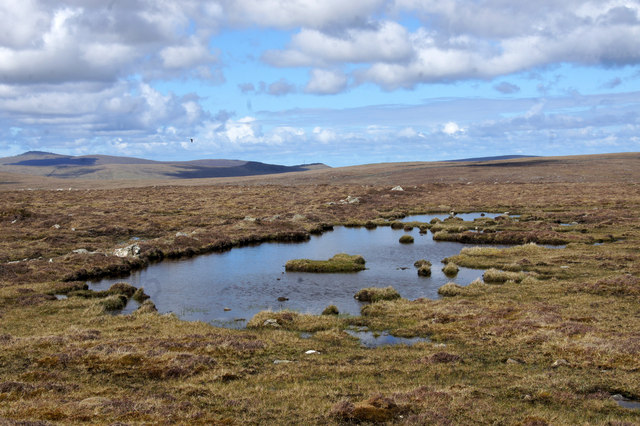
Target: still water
{"type": "Point", "coordinates": [227, 289]}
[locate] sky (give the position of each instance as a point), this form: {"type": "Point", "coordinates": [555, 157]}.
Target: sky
{"type": "Point", "coordinates": [332, 81]}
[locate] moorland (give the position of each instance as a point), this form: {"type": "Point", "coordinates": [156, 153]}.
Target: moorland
{"type": "Point", "coordinates": [551, 336]}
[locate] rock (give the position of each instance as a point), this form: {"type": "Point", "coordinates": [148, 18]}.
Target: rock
{"type": "Point", "coordinates": [350, 200]}
{"type": "Point", "coordinates": [181, 234]}
{"type": "Point", "coordinates": [81, 251]}
{"type": "Point", "coordinates": [282, 299]}
{"type": "Point", "coordinates": [282, 361]}
{"type": "Point", "coordinates": [298, 217]}
{"type": "Point", "coordinates": [618, 397]}
{"type": "Point", "coordinates": [56, 226]}
{"type": "Point", "coordinates": [249, 219]}
{"type": "Point", "coordinates": [560, 363]}
{"type": "Point", "coordinates": [271, 323]}
{"type": "Point", "coordinates": [128, 251]}
{"type": "Point", "coordinates": [513, 361]}
{"type": "Point", "coordinates": [227, 309]}
{"type": "Point", "coordinates": [397, 188]}
{"type": "Point", "coordinates": [311, 351]}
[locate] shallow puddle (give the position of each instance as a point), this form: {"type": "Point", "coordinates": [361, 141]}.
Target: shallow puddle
{"type": "Point", "coordinates": [370, 339]}
{"type": "Point", "coordinates": [228, 288]}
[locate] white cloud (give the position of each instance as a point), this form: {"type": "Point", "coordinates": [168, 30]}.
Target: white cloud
{"type": "Point", "coordinates": [451, 129]}
{"type": "Point", "coordinates": [193, 53]}
{"type": "Point", "coordinates": [324, 136]}
{"type": "Point", "coordinates": [300, 13]}
{"type": "Point", "coordinates": [326, 82]}
{"type": "Point", "coordinates": [387, 41]}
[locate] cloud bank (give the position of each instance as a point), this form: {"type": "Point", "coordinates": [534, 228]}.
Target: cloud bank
{"type": "Point", "coordinates": [91, 76]}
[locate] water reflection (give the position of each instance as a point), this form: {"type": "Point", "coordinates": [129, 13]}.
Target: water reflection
{"type": "Point", "coordinates": [369, 339]}
{"type": "Point", "coordinates": [229, 288]}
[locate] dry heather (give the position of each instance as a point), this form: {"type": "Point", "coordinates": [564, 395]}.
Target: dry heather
{"type": "Point", "coordinates": [552, 344]}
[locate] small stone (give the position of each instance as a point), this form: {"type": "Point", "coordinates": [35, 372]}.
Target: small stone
{"type": "Point", "coordinates": [181, 234]}
{"type": "Point", "coordinates": [513, 361]}
{"type": "Point", "coordinates": [618, 397]}
{"type": "Point", "coordinates": [397, 188]}
{"type": "Point", "coordinates": [311, 351]}
{"type": "Point", "coordinates": [227, 309]}
{"type": "Point", "coordinates": [282, 299]}
{"type": "Point", "coordinates": [282, 361]}
{"type": "Point", "coordinates": [559, 363]}
{"type": "Point", "coordinates": [56, 226]}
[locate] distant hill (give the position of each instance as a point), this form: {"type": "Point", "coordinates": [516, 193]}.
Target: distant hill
{"type": "Point", "coordinates": [105, 167]}
{"type": "Point", "coordinates": [496, 158]}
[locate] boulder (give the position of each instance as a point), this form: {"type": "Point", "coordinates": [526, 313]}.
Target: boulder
{"type": "Point", "coordinates": [129, 251]}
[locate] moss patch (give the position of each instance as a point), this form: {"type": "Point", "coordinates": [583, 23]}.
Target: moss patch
{"type": "Point", "coordinates": [339, 263]}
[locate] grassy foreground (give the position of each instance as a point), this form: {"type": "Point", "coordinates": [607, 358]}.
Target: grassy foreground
{"type": "Point", "coordinates": [548, 338]}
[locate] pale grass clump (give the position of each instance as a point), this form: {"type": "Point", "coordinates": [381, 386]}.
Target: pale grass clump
{"type": "Point", "coordinates": [496, 276]}
{"type": "Point", "coordinates": [290, 320]}
{"type": "Point", "coordinates": [376, 294]}
{"type": "Point", "coordinates": [451, 290]}
{"type": "Point", "coordinates": [450, 269]}
{"type": "Point", "coordinates": [481, 251]}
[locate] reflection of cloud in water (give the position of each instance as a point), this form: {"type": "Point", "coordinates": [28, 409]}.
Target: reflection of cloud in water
{"type": "Point", "coordinates": [250, 279]}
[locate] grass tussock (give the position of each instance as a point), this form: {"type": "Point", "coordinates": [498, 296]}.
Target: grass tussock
{"type": "Point", "coordinates": [289, 320]}
{"type": "Point", "coordinates": [450, 269]}
{"type": "Point", "coordinates": [376, 294]}
{"type": "Point", "coordinates": [495, 276]}
{"type": "Point", "coordinates": [339, 263]}
{"type": "Point", "coordinates": [406, 239]}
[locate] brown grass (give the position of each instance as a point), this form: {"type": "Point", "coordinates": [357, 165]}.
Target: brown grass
{"type": "Point", "coordinates": [552, 348]}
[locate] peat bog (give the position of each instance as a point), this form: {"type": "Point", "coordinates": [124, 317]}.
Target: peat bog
{"type": "Point", "coordinates": [552, 338]}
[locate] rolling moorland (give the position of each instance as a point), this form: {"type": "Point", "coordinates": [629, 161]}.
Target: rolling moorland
{"type": "Point", "coordinates": [551, 336]}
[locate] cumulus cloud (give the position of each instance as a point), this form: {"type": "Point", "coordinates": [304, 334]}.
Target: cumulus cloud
{"type": "Point", "coordinates": [462, 39]}
{"type": "Point", "coordinates": [326, 82]}
{"type": "Point", "coordinates": [300, 13]}
{"type": "Point", "coordinates": [387, 42]}
{"type": "Point", "coordinates": [451, 129]}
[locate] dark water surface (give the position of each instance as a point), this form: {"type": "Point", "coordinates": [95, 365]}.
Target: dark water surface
{"type": "Point", "coordinates": [251, 279]}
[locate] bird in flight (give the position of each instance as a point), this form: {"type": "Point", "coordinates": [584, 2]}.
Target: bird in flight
{"type": "Point", "coordinates": [191, 140]}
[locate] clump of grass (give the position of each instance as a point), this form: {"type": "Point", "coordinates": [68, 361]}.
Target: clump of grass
{"type": "Point", "coordinates": [115, 302]}
{"type": "Point", "coordinates": [331, 310]}
{"type": "Point", "coordinates": [377, 409]}
{"type": "Point", "coordinates": [397, 225]}
{"type": "Point", "coordinates": [290, 320]}
{"type": "Point", "coordinates": [496, 276]}
{"type": "Point", "coordinates": [424, 271]}
{"type": "Point", "coordinates": [339, 263]}
{"type": "Point", "coordinates": [140, 296]}
{"type": "Point", "coordinates": [406, 239]}
{"type": "Point", "coordinates": [621, 285]}
{"type": "Point", "coordinates": [424, 267]}
{"type": "Point", "coordinates": [122, 288]}
{"type": "Point", "coordinates": [450, 269]}
{"type": "Point", "coordinates": [375, 294]}
{"type": "Point", "coordinates": [450, 290]}
{"type": "Point", "coordinates": [147, 307]}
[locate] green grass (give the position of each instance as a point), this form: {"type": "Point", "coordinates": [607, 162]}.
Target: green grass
{"type": "Point", "coordinates": [339, 263]}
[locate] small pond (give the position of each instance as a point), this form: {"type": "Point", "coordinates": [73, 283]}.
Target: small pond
{"type": "Point", "coordinates": [227, 289]}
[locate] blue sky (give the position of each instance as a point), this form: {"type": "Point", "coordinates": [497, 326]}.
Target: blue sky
{"type": "Point", "coordinates": [320, 81]}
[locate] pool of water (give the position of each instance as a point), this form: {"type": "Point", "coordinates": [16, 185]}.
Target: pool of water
{"type": "Point", "coordinates": [228, 288]}
{"type": "Point", "coordinates": [370, 339]}
{"type": "Point", "coordinates": [467, 217]}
